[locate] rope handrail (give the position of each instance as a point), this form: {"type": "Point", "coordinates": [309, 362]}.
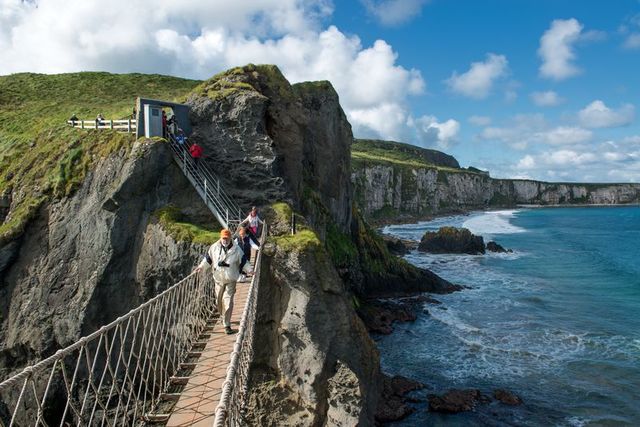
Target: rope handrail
{"type": "Point", "coordinates": [230, 410]}
{"type": "Point", "coordinates": [116, 374]}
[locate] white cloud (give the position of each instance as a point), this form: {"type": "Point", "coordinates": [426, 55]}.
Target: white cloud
{"type": "Point", "coordinates": [632, 41]}
{"type": "Point", "coordinates": [527, 162]}
{"type": "Point", "coordinates": [525, 130]}
{"type": "Point", "coordinates": [202, 37]}
{"type": "Point", "coordinates": [605, 162]}
{"type": "Point", "coordinates": [480, 120]}
{"type": "Point", "coordinates": [557, 51]}
{"type": "Point", "coordinates": [432, 132]}
{"type": "Point", "coordinates": [546, 99]}
{"type": "Point", "coordinates": [562, 135]}
{"type": "Point", "coordinates": [478, 81]}
{"type": "Point", "coordinates": [393, 12]}
{"type": "Point", "coordinates": [598, 115]}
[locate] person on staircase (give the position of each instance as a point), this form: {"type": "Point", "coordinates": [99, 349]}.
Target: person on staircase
{"type": "Point", "coordinates": [196, 153]}
{"type": "Point", "coordinates": [224, 258]}
{"type": "Point", "coordinates": [246, 241]}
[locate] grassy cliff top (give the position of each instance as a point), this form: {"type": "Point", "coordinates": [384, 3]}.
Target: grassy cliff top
{"type": "Point", "coordinates": [40, 155]}
{"type": "Point", "coordinates": [368, 151]}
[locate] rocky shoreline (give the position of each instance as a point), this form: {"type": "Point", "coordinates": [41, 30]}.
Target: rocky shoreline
{"type": "Point", "coordinates": [380, 314]}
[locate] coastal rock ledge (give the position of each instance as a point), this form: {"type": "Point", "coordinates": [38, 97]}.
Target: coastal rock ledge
{"type": "Point", "coordinates": [451, 240]}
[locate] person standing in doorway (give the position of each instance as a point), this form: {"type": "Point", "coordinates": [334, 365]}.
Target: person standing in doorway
{"type": "Point", "coordinates": [164, 124]}
{"type": "Point", "coordinates": [224, 258]}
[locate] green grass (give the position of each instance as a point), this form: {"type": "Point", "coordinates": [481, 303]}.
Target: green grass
{"type": "Point", "coordinates": [173, 222]}
{"type": "Point", "coordinates": [361, 156]}
{"type": "Point", "coordinates": [41, 158]}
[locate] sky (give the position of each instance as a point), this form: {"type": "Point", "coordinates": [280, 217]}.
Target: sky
{"type": "Point", "coordinates": [539, 89]}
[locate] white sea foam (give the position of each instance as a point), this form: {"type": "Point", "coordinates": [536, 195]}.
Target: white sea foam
{"type": "Point", "coordinates": [494, 222]}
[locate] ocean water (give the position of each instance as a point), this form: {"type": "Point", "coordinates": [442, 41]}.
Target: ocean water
{"type": "Point", "coordinates": [557, 321]}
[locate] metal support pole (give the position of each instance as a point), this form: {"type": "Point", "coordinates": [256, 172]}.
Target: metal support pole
{"type": "Point", "coordinates": [227, 217]}
{"type": "Point", "coordinates": [293, 223]}
{"type": "Point", "coordinates": [205, 190]}
{"type": "Point", "coordinates": [111, 123]}
{"type": "Point", "coordinates": [129, 126]}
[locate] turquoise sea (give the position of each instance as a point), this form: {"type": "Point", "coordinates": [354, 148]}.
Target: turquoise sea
{"type": "Point", "coordinates": [557, 321]}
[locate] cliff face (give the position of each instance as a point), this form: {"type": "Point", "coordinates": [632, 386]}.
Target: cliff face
{"type": "Point", "coordinates": [385, 191]}
{"type": "Point", "coordinates": [272, 142]}
{"type": "Point", "coordinates": [90, 257]}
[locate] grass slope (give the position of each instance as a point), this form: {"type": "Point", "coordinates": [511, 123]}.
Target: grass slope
{"type": "Point", "coordinates": [368, 152]}
{"type": "Point", "coordinates": [43, 158]}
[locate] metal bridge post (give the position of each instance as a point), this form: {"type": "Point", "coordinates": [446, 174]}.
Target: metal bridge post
{"type": "Point", "coordinates": [205, 190]}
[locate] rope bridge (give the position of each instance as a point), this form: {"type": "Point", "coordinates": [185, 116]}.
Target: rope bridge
{"type": "Point", "coordinates": [124, 372]}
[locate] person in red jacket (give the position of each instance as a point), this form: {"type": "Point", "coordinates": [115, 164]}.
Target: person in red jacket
{"type": "Point", "coordinates": [196, 153]}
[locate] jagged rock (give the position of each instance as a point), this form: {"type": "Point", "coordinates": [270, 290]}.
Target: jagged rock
{"type": "Point", "coordinates": [494, 247]}
{"type": "Point", "coordinates": [506, 397]}
{"type": "Point", "coordinates": [451, 240]}
{"type": "Point", "coordinates": [308, 334]}
{"type": "Point", "coordinates": [455, 400]}
{"type": "Point", "coordinates": [78, 266]}
{"type": "Point", "coordinates": [379, 315]}
{"type": "Point", "coordinates": [395, 246]}
{"type": "Point", "coordinates": [392, 404]}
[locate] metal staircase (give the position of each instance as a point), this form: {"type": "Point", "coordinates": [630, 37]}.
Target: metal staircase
{"type": "Point", "coordinates": [208, 186]}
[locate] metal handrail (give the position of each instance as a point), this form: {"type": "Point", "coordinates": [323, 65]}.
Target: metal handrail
{"type": "Point", "coordinates": [208, 186]}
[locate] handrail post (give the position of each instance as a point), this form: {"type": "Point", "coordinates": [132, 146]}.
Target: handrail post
{"type": "Point", "coordinates": [218, 190]}
{"type": "Point", "coordinates": [129, 126]}
{"type": "Point", "coordinates": [184, 161]}
{"type": "Point", "coordinates": [205, 190]}
{"type": "Point", "coordinates": [111, 123]}
{"type": "Point", "coordinates": [227, 217]}
{"type": "Point", "coordinates": [82, 124]}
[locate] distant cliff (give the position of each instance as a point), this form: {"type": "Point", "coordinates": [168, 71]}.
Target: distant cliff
{"type": "Point", "coordinates": [389, 187]}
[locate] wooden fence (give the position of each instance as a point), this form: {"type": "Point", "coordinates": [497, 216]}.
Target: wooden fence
{"type": "Point", "coordinates": [127, 125]}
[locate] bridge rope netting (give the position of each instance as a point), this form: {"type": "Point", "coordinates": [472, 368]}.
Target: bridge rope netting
{"type": "Point", "coordinates": [125, 372]}
{"type": "Point", "coordinates": [116, 375]}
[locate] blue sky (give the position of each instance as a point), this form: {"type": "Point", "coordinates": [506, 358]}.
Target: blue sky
{"type": "Point", "coordinates": [543, 89]}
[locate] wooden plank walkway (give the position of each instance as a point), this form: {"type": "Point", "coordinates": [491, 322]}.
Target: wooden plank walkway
{"type": "Point", "coordinates": [200, 397]}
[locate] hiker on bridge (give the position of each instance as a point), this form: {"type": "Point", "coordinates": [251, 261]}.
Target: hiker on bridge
{"type": "Point", "coordinates": [253, 221]}
{"type": "Point", "coordinates": [224, 258]}
{"type": "Point", "coordinates": [246, 241]}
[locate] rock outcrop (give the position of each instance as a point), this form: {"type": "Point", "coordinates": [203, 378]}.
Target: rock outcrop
{"type": "Point", "coordinates": [387, 190]}
{"type": "Point", "coordinates": [315, 363]}
{"type": "Point", "coordinates": [451, 240]}
{"type": "Point", "coordinates": [495, 247]}
{"type": "Point", "coordinates": [88, 258]}
{"type": "Point", "coordinates": [456, 400]}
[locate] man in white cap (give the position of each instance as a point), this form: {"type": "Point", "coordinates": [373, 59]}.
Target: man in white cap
{"type": "Point", "coordinates": [224, 257]}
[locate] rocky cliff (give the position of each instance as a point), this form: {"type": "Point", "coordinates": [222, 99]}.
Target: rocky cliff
{"type": "Point", "coordinates": [287, 148]}
{"type": "Point", "coordinates": [91, 255]}
{"type": "Point", "coordinates": [88, 258]}
{"type": "Point", "coordinates": [393, 189]}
